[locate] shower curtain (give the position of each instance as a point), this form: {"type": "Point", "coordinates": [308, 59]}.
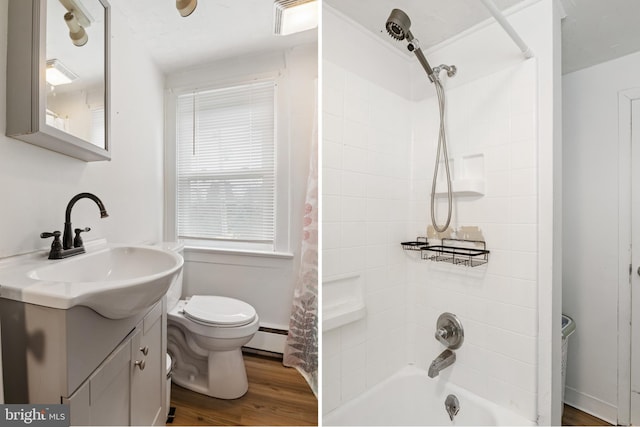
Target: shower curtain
{"type": "Point", "coordinates": [301, 349]}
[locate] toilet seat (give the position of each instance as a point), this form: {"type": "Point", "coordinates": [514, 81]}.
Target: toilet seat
{"type": "Point", "coordinates": [218, 311]}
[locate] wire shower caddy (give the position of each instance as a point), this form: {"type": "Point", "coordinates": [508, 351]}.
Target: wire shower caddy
{"type": "Point", "coordinates": [469, 253]}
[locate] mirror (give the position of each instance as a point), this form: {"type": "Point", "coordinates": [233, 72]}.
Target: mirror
{"type": "Point", "coordinates": [63, 103]}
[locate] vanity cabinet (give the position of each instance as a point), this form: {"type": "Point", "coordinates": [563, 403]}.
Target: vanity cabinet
{"type": "Point", "coordinates": [110, 372]}
{"type": "Point", "coordinates": [126, 389]}
{"type": "Point", "coordinates": [104, 398]}
{"type": "Point", "coordinates": [147, 378]}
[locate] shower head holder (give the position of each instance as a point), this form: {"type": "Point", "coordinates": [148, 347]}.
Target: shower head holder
{"type": "Point", "coordinates": [450, 69]}
{"type": "Point", "coordinates": [413, 44]}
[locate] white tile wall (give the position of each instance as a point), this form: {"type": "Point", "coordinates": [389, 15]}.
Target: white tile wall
{"type": "Point", "coordinates": [496, 303]}
{"type": "Point", "coordinates": [366, 186]}
{"type": "Point", "coordinates": [377, 171]}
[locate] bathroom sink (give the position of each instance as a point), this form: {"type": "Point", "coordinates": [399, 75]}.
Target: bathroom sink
{"type": "Point", "coordinates": [116, 281]}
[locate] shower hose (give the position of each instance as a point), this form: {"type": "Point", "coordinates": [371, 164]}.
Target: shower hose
{"type": "Point", "coordinates": [442, 148]}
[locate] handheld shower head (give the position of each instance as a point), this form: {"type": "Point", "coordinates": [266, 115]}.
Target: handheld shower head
{"type": "Point", "coordinates": [398, 25]}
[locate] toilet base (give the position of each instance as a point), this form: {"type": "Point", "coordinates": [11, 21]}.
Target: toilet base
{"type": "Point", "coordinates": [224, 377]}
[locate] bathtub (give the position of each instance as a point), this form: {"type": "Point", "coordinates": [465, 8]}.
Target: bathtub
{"type": "Point", "coordinates": [410, 397]}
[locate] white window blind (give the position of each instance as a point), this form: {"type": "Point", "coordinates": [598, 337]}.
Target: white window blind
{"type": "Point", "coordinates": [226, 163]}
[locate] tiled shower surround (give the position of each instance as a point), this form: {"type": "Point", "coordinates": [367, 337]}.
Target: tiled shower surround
{"type": "Point", "coordinates": [378, 155]}
{"type": "Point", "coordinates": [366, 185]}
{"type": "Point", "coordinates": [493, 118]}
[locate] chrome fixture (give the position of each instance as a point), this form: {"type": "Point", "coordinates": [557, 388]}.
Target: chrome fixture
{"type": "Point", "coordinates": [186, 7]}
{"type": "Point", "coordinates": [444, 360]}
{"type": "Point", "coordinates": [449, 331]}
{"type": "Point", "coordinates": [71, 246]}
{"type": "Point", "coordinates": [452, 405]}
{"type": "Point", "coordinates": [450, 69]}
{"type": "Point", "coordinates": [398, 25]}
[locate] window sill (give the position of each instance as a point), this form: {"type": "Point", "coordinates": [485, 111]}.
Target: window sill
{"type": "Point", "coordinates": [240, 252]}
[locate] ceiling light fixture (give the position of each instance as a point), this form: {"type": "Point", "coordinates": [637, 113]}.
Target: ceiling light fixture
{"type": "Point", "coordinates": [186, 7]}
{"type": "Point", "coordinates": [84, 17]}
{"type": "Point", "coordinates": [76, 31]}
{"type": "Point", "coordinates": [57, 74]}
{"type": "Point", "coordinates": [293, 16]}
{"type": "Point", "coordinates": [77, 19]}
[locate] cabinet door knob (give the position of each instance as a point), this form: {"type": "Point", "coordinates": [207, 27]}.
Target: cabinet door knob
{"type": "Point", "coordinates": [140, 364]}
{"type": "Point", "coordinates": [145, 350]}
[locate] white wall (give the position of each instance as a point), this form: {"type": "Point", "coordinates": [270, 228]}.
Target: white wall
{"type": "Point", "coordinates": [493, 117]}
{"type": "Point", "coordinates": [507, 109]}
{"type": "Point", "coordinates": [500, 106]}
{"type": "Point", "coordinates": [37, 183]}
{"type": "Point", "coordinates": [267, 283]}
{"type": "Point", "coordinates": [365, 186]}
{"type": "Point", "coordinates": [591, 248]}
{"type": "Point", "coordinates": [365, 195]}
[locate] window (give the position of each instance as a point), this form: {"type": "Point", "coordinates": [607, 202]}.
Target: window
{"type": "Point", "coordinates": [226, 166]}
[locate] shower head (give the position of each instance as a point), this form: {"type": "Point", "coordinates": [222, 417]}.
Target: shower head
{"type": "Point", "coordinates": [398, 25]}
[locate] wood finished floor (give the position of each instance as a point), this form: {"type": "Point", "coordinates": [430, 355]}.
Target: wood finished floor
{"type": "Point", "coordinates": [277, 396]}
{"type": "Point", "coordinates": [280, 396]}
{"type": "Point", "coordinates": [575, 417]}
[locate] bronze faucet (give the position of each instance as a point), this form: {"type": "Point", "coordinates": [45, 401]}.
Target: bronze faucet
{"type": "Point", "coordinates": [71, 246]}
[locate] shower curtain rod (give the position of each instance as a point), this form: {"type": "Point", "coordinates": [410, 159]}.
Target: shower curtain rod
{"type": "Point", "coordinates": [497, 14]}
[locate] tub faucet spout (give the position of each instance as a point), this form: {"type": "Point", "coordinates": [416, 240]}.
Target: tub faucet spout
{"type": "Point", "coordinates": [445, 359]}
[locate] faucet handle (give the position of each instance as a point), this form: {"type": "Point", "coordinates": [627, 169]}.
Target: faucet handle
{"type": "Point", "coordinates": [77, 241]}
{"type": "Point", "coordinates": [443, 334]}
{"type": "Point", "coordinates": [46, 235]}
{"type": "Point", "coordinates": [449, 331]}
{"type": "Point", "coordinates": [56, 245]}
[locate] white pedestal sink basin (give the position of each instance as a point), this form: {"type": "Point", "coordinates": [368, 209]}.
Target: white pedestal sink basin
{"type": "Point", "coordinates": [116, 281]}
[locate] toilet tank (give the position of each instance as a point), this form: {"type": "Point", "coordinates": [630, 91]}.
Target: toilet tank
{"type": "Point", "coordinates": [175, 290]}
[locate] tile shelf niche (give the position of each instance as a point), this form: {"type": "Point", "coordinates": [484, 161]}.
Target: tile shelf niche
{"type": "Point", "coordinates": [342, 301]}
{"type": "Point", "coordinates": [467, 179]}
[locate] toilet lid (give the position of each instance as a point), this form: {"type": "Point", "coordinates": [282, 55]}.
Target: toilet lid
{"type": "Point", "coordinates": [220, 311]}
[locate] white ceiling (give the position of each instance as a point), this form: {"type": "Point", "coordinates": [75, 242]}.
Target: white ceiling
{"type": "Point", "coordinates": [594, 30]}
{"type": "Point", "coordinates": [217, 29]}
{"type": "Point", "coordinates": [432, 21]}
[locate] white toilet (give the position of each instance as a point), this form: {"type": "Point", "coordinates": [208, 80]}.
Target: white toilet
{"type": "Point", "coordinates": [204, 338]}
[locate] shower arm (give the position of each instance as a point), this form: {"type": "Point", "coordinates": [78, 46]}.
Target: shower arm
{"type": "Point", "coordinates": [497, 14]}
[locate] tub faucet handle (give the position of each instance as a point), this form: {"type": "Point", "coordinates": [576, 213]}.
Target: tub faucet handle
{"type": "Point", "coordinates": [443, 334]}
{"type": "Point", "coordinates": [449, 331]}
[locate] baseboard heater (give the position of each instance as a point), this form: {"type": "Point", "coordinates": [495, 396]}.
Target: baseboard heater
{"type": "Point", "coordinates": [268, 339]}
